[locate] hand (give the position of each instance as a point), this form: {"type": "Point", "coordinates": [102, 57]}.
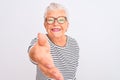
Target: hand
{"type": "Point", "coordinates": [40, 53]}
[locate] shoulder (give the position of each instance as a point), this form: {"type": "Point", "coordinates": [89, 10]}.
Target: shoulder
{"type": "Point", "coordinates": [71, 39]}
{"type": "Point", "coordinates": [73, 45]}
{"type": "Point", "coordinates": [34, 40]}
{"type": "Point", "coordinates": [72, 42]}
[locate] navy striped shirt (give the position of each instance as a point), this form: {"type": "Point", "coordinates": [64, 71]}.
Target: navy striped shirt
{"type": "Point", "coordinates": [65, 59]}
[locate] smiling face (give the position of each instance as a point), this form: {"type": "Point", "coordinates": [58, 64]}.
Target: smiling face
{"type": "Point", "coordinates": [56, 23]}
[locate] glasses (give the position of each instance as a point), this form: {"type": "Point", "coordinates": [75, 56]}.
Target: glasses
{"type": "Point", "coordinates": [60, 20]}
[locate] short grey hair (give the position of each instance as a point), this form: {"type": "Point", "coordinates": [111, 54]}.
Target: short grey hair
{"type": "Point", "coordinates": [55, 6]}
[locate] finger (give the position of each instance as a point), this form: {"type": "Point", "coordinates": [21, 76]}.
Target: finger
{"type": "Point", "coordinates": [42, 39]}
{"type": "Point", "coordinates": [56, 74]}
{"type": "Point", "coordinates": [45, 71]}
{"type": "Point", "coordinates": [47, 61]}
{"type": "Point", "coordinates": [51, 73]}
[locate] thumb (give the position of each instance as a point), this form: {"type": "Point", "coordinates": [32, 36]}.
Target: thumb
{"type": "Point", "coordinates": [42, 39]}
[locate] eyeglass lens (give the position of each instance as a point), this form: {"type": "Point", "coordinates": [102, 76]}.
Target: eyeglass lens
{"type": "Point", "coordinates": [60, 20]}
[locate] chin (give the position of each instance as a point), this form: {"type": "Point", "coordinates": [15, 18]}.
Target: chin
{"type": "Point", "coordinates": [57, 35]}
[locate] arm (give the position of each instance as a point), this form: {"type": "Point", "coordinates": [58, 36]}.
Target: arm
{"type": "Point", "coordinates": [39, 53]}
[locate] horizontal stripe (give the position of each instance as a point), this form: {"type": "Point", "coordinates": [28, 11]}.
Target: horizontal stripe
{"type": "Point", "coordinates": [65, 59]}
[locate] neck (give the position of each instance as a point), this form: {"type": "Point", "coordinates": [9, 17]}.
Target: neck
{"type": "Point", "coordinates": [59, 41]}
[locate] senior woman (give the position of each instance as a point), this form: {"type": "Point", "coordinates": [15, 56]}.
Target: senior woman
{"type": "Point", "coordinates": [55, 53]}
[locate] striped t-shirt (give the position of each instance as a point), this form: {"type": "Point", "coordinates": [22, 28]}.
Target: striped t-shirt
{"type": "Point", "coordinates": [65, 59]}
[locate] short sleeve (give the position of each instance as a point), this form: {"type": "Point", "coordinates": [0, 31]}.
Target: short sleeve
{"type": "Point", "coordinates": [32, 43]}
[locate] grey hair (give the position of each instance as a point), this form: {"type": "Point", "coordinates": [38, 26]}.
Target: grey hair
{"type": "Point", "coordinates": [55, 6]}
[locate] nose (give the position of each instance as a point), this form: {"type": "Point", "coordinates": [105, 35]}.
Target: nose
{"type": "Point", "coordinates": [56, 23]}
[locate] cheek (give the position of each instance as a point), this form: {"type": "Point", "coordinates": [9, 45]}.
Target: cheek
{"type": "Point", "coordinates": [66, 28]}
{"type": "Point", "coordinates": [46, 26]}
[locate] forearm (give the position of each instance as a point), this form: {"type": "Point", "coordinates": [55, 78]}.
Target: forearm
{"type": "Point", "coordinates": [31, 51]}
{"type": "Point", "coordinates": [32, 57]}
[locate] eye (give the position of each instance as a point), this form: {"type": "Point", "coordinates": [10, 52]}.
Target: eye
{"type": "Point", "coordinates": [50, 20]}
{"type": "Point", "coordinates": [61, 19]}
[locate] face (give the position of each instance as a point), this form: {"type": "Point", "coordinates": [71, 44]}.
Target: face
{"type": "Point", "coordinates": [56, 23]}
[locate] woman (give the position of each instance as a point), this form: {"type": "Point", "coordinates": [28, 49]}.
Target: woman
{"type": "Point", "coordinates": [55, 54]}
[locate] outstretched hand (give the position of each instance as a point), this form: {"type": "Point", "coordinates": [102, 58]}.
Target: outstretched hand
{"type": "Point", "coordinates": [40, 53]}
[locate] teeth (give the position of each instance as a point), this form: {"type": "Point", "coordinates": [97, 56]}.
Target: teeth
{"type": "Point", "coordinates": [56, 29]}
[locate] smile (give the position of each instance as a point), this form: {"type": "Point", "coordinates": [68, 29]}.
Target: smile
{"type": "Point", "coordinates": [56, 29]}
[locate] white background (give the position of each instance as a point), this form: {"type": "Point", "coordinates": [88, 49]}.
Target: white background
{"type": "Point", "coordinates": [94, 23]}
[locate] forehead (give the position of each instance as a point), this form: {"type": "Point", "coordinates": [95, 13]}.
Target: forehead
{"type": "Point", "coordinates": [56, 13]}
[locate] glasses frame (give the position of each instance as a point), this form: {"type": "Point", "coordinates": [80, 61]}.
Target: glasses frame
{"type": "Point", "coordinates": [56, 19]}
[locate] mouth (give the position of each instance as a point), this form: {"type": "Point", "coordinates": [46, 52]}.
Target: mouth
{"type": "Point", "coordinates": [56, 29]}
